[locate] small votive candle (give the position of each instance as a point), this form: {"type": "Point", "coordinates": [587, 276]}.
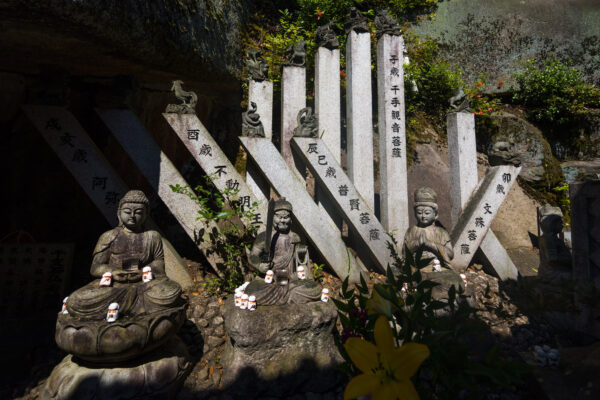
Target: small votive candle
{"type": "Point", "coordinates": [147, 274]}
{"type": "Point", "coordinates": [238, 298]}
{"type": "Point", "coordinates": [252, 303]}
{"type": "Point", "coordinates": [325, 295]}
{"type": "Point", "coordinates": [244, 304]}
{"type": "Point", "coordinates": [437, 266]}
{"type": "Point", "coordinates": [464, 278]}
{"type": "Point", "coordinates": [269, 277]}
{"type": "Point", "coordinates": [64, 306]}
{"type": "Point", "coordinates": [106, 279]}
{"type": "Point", "coordinates": [301, 272]}
{"type": "Point", "coordinates": [113, 312]}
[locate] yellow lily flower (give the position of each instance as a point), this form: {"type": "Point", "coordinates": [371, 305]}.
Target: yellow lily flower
{"type": "Point", "coordinates": [386, 369]}
{"type": "Point", "coordinates": [378, 305]}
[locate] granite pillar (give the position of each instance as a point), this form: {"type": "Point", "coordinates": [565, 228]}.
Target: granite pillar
{"type": "Point", "coordinates": [359, 110]}
{"type": "Point", "coordinates": [392, 136]}
{"type": "Point", "coordinates": [260, 93]}
{"type": "Point", "coordinates": [293, 99]}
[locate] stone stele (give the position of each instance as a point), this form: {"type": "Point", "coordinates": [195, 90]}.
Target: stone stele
{"type": "Point", "coordinates": [281, 350]}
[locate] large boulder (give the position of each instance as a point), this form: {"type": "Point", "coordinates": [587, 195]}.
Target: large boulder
{"type": "Point", "coordinates": [281, 350]}
{"type": "Point", "coordinates": [508, 139]}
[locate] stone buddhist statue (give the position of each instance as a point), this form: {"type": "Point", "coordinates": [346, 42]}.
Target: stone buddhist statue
{"type": "Point", "coordinates": [555, 257]}
{"type": "Point", "coordinates": [434, 239]}
{"type": "Point", "coordinates": [284, 254]}
{"type": "Point", "coordinates": [149, 310]}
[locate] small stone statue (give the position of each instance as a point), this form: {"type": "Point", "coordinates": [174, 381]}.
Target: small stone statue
{"type": "Point", "coordinates": [258, 67]}
{"type": "Point", "coordinates": [296, 54]}
{"type": "Point", "coordinates": [555, 257]}
{"type": "Point", "coordinates": [251, 124]}
{"type": "Point", "coordinates": [434, 239]}
{"type": "Point", "coordinates": [188, 99]}
{"type": "Point", "coordinates": [356, 22]}
{"type": "Point", "coordinates": [307, 124]}
{"type": "Point", "coordinates": [326, 37]}
{"type": "Point", "coordinates": [283, 255]}
{"type": "Point", "coordinates": [386, 25]}
{"type": "Point", "coordinates": [459, 102]}
{"type": "Point", "coordinates": [121, 258]}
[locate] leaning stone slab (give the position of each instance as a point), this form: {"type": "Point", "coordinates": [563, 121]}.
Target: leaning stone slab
{"type": "Point", "coordinates": [324, 237]}
{"type": "Point", "coordinates": [280, 350]}
{"type": "Point", "coordinates": [474, 222]}
{"type": "Point", "coordinates": [359, 216]}
{"type": "Point", "coordinates": [160, 172]}
{"type": "Point", "coordinates": [213, 161]}
{"type": "Point", "coordinates": [92, 171]}
{"type": "Point", "coordinates": [155, 376]}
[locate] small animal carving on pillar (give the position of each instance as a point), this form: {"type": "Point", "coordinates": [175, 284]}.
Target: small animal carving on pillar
{"type": "Point", "coordinates": [459, 102]}
{"type": "Point", "coordinates": [296, 54]}
{"type": "Point", "coordinates": [307, 124]}
{"type": "Point", "coordinates": [251, 124]}
{"type": "Point", "coordinates": [356, 22]}
{"type": "Point", "coordinates": [386, 25]}
{"type": "Point", "coordinates": [257, 66]}
{"type": "Point", "coordinates": [188, 100]}
{"type": "Point", "coordinates": [326, 37]}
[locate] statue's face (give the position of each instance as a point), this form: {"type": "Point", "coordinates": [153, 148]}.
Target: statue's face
{"type": "Point", "coordinates": [282, 220]}
{"type": "Point", "coordinates": [425, 215]}
{"type": "Point", "coordinates": [133, 215]}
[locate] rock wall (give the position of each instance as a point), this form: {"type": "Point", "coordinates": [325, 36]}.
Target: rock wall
{"type": "Point", "coordinates": [493, 36]}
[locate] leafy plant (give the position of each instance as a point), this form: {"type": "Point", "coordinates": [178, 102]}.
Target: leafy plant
{"type": "Point", "coordinates": [481, 104]}
{"type": "Point", "coordinates": [318, 272]}
{"type": "Point", "coordinates": [555, 94]}
{"type": "Point", "coordinates": [235, 233]}
{"type": "Point", "coordinates": [452, 370]}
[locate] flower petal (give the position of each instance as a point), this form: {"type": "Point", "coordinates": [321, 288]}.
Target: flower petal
{"type": "Point", "coordinates": [384, 338]}
{"type": "Point", "coordinates": [378, 305]}
{"type": "Point", "coordinates": [362, 353]}
{"type": "Point", "coordinates": [407, 359]}
{"type": "Point", "coordinates": [361, 385]}
{"type": "Point", "coordinates": [405, 390]}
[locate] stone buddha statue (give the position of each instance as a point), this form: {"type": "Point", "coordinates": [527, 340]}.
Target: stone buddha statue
{"type": "Point", "coordinates": [150, 311]}
{"type": "Point", "coordinates": [555, 257]}
{"type": "Point", "coordinates": [434, 239]}
{"type": "Point", "coordinates": [286, 253]}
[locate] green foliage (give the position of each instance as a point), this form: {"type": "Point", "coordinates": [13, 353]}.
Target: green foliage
{"type": "Point", "coordinates": [453, 370]}
{"type": "Point", "coordinates": [435, 80]}
{"type": "Point", "coordinates": [234, 234]}
{"type": "Point", "coordinates": [555, 94]}
{"type": "Point", "coordinates": [480, 103]}
{"type": "Point", "coordinates": [318, 272]}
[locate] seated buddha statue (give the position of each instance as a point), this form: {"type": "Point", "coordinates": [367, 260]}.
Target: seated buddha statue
{"type": "Point", "coordinates": [555, 256]}
{"type": "Point", "coordinates": [285, 255]}
{"type": "Point", "coordinates": [434, 239]}
{"type": "Point", "coordinates": [124, 252]}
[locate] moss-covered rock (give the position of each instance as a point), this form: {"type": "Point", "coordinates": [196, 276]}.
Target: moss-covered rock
{"type": "Point", "coordinates": [508, 139]}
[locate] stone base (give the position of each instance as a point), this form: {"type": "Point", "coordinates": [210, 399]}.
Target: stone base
{"type": "Point", "coordinates": [155, 376]}
{"type": "Point", "coordinates": [281, 350]}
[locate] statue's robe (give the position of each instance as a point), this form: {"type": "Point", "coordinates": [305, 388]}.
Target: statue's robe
{"type": "Point", "coordinates": [119, 248]}
{"type": "Point", "coordinates": [431, 233]}
{"type": "Point", "coordinates": [284, 250]}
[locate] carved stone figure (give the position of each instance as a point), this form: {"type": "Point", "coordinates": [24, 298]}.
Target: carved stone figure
{"type": "Point", "coordinates": [356, 22]}
{"type": "Point", "coordinates": [386, 25]}
{"type": "Point", "coordinates": [257, 66]}
{"type": "Point", "coordinates": [555, 257]}
{"type": "Point", "coordinates": [434, 239]}
{"type": "Point", "coordinates": [251, 124]}
{"type": "Point", "coordinates": [149, 312]}
{"type": "Point", "coordinates": [326, 37]}
{"type": "Point", "coordinates": [296, 54]}
{"type": "Point", "coordinates": [282, 254]}
{"type": "Point", "coordinates": [188, 100]}
{"type": "Point", "coordinates": [307, 124]}
{"type": "Point", "coordinates": [459, 102]}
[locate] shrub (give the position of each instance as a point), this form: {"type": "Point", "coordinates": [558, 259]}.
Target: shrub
{"type": "Point", "coordinates": [555, 94]}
